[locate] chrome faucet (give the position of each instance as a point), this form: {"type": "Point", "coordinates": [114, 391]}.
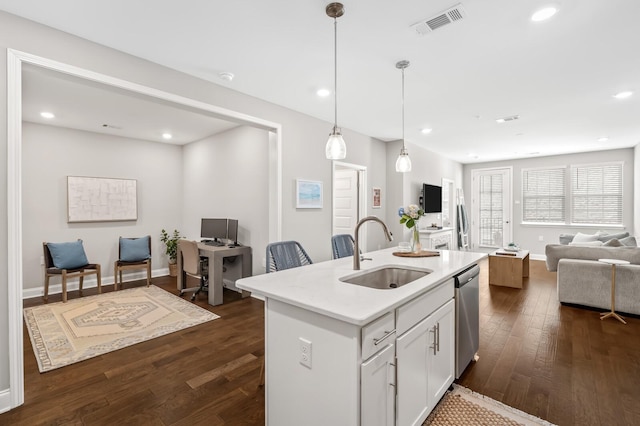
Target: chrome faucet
{"type": "Point", "coordinates": [356, 245]}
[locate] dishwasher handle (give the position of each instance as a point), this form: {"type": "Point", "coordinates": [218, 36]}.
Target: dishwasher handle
{"type": "Point", "coordinates": [467, 275]}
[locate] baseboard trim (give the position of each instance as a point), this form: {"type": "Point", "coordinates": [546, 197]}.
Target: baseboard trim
{"type": "Point", "coordinates": [5, 400]}
{"type": "Point", "coordinates": [90, 283]}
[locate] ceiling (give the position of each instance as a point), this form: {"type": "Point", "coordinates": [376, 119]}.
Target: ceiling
{"type": "Point", "coordinates": [559, 76]}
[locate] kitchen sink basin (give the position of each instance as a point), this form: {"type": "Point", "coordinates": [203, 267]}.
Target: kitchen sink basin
{"type": "Point", "coordinates": [386, 277]}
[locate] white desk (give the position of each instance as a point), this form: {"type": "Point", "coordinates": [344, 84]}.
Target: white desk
{"type": "Point", "coordinates": [216, 256]}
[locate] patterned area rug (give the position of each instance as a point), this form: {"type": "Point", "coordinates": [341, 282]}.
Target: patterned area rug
{"type": "Point", "coordinates": [463, 407]}
{"type": "Point", "coordinates": [66, 333]}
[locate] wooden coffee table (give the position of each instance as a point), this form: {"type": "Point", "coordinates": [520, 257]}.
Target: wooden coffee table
{"type": "Point", "coordinates": [508, 268]}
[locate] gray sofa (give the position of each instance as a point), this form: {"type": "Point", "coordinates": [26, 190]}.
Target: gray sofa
{"type": "Point", "coordinates": [584, 281]}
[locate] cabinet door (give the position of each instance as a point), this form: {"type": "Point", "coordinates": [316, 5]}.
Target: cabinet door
{"type": "Point", "coordinates": [441, 362]}
{"type": "Point", "coordinates": [412, 366]}
{"type": "Point", "coordinates": [377, 384]}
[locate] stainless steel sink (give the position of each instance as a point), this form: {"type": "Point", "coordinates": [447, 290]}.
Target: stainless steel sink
{"type": "Point", "coordinates": [386, 277]}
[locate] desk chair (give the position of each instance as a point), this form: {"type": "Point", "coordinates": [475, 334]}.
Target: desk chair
{"type": "Point", "coordinates": [194, 266]}
{"type": "Point", "coordinates": [133, 253]}
{"type": "Point", "coordinates": [67, 260]}
{"type": "Point", "coordinates": [285, 255]}
{"type": "Point", "coordinates": [342, 245]}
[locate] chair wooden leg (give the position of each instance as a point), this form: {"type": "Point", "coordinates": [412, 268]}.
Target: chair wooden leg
{"type": "Point", "coordinates": [99, 282]}
{"type": "Point", "coordinates": [46, 287]}
{"type": "Point", "coordinates": [80, 284]}
{"type": "Point", "coordinates": [115, 276]}
{"type": "Point", "coordinates": [64, 286]}
{"type": "Point", "coordinates": [148, 273]}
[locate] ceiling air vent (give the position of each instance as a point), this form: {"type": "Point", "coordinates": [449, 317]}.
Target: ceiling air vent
{"type": "Point", "coordinates": [449, 16]}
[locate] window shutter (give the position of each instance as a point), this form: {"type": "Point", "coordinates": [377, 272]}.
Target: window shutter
{"type": "Point", "coordinates": [543, 195]}
{"type": "Point", "coordinates": [596, 194]}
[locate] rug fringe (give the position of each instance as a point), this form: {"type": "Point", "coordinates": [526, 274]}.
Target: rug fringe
{"type": "Point", "coordinates": [530, 417]}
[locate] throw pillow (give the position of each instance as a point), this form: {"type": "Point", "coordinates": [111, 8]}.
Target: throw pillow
{"type": "Point", "coordinates": [583, 238]}
{"type": "Point", "coordinates": [134, 249]}
{"type": "Point", "coordinates": [614, 242]}
{"type": "Point", "coordinates": [68, 255]}
{"type": "Point", "coordinates": [629, 242]}
{"type": "Point", "coordinates": [587, 243]}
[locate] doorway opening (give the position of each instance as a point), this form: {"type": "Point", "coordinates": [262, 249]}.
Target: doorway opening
{"type": "Point", "coordinates": [349, 198]}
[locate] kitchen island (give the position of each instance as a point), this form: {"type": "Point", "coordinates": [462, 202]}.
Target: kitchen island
{"type": "Point", "coordinates": [346, 354]}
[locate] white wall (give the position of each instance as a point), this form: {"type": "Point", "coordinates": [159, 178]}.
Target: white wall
{"type": "Point", "coordinates": [636, 191]}
{"type": "Point", "coordinates": [50, 154]}
{"type": "Point", "coordinates": [527, 236]}
{"type": "Point", "coordinates": [226, 176]}
{"type": "Point", "coordinates": [405, 188]}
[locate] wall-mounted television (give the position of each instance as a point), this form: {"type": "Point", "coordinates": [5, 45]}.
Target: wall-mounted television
{"type": "Point", "coordinates": [431, 198]}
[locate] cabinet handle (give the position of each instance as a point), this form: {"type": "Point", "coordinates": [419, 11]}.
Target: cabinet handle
{"type": "Point", "coordinates": [435, 345]}
{"type": "Point", "coordinates": [389, 333]}
{"type": "Point", "coordinates": [438, 336]}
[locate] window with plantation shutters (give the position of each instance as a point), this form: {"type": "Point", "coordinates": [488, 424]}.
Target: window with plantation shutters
{"type": "Point", "coordinates": [543, 195]}
{"type": "Point", "coordinates": [596, 194]}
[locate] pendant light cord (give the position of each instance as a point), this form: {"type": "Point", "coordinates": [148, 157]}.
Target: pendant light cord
{"type": "Point", "coordinates": [403, 146]}
{"type": "Point", "coordinates": [335, 73]}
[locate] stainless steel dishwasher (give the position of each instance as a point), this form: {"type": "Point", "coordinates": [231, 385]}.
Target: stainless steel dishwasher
{"type": "Point", "coordinates": [467, 298]}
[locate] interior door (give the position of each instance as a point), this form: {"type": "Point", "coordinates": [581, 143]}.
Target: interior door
{"type": "Point", "coordinates": [491, 215]}
{"type": "Point", "coordinates": [346, 204]}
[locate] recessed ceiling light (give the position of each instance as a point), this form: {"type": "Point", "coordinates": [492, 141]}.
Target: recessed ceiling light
{"type": "Point", "coordinates": [167, 136]}
{"type": "Point", "coordinates": [623, 95]}
{"type": "Point", "coordinates": [509, 118]}
{"type": "Point", "coordinates": [426, 131]}
{"type": "Point", "coordinates": [603, 139]}
{"type": "Point", "coordinates": [48, 115]}
{"type": "Point", "coordinates": [226, 76]}
{"type": "Point", "coordinates": [323, 93]}
{"type": "Point", "coordinates": [544, 14]}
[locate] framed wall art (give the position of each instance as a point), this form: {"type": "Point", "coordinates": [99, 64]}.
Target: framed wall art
{"type": "Point", "coordinates": [308, 194]}
{"type": "Point", "coordinates": [94, 199]}
{"type": "Point", "coordinates": [377, 198]}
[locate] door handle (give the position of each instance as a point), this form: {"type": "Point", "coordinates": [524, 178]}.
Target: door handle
{"type": "Point", "coordinates": [438, 336]}
{"type": "Point", "coordinates": [435, 345]}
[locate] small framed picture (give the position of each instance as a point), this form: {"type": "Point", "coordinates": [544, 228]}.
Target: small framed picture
{"type": "Point", "coordinates": [308, 194]}
{"type": "Point", "coordinates": [377, 198]}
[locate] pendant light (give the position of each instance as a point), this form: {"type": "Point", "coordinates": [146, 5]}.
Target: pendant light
{"type": "Point", "coordinates": [403, 163]}
{"type": "Point", "coordinates": [336, 148]}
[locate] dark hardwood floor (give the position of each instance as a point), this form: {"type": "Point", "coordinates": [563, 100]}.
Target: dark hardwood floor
{"type": "Point", "coordinates": [560, 363]}
{"type": "Point", "coordinates": [203, 375]}
{"type": "Point", "coordinates": [557, 362]}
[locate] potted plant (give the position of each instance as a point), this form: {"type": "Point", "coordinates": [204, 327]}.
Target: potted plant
{"type": "Point", "coordinates": [171, 243]}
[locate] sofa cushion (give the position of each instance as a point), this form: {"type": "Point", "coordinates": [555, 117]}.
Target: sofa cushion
{"type": "Point", "coordinates": [555, 252]}
{"type": "Point", "coordinates": [566, 238]}
{"type": "Point", "coordinates": [607, 237]}
{"type": "Point", "coordinates": [587, 243]}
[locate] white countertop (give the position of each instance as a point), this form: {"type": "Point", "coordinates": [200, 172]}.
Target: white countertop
{"type": "Point", "coordinates": [317, 287]}
{"type": "Point", "coordinates": [434, 230]}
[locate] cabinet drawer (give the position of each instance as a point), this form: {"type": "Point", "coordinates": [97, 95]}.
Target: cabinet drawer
{"type": "Point", "coordinates": [413, 312]}
{"type": "Point", "coordinates": [372, 332]}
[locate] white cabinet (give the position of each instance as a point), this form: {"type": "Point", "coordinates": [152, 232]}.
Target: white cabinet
{"type": "Point", "coordinates": [378, 393]}
{"type": "Point", "coordinates": [425, 365]}
{"type": "Point", "coordinates": [437, 239]}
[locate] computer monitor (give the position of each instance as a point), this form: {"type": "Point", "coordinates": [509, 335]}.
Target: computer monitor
{"type": "Point", "coordinates": [215, 229]}
{"type": "Point", "coordinates": [232, 231]}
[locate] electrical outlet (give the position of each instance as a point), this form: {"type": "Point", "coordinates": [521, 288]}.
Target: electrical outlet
{"type": "Point", "coordinates": [541, 238]}
{"type": "Point", "coordinates": [305, 352]}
